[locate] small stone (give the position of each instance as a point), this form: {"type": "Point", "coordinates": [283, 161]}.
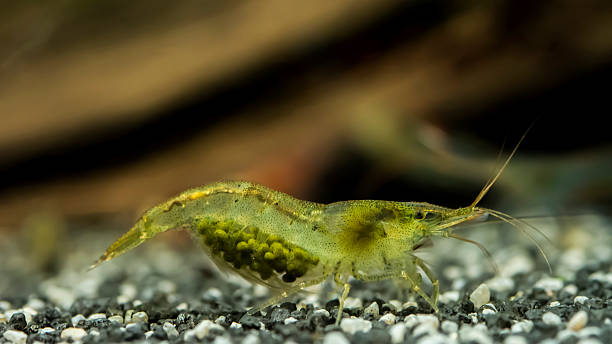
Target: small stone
{"type": "Point", "coordinates": [354, 325]}
{"type": "Point", "coordinates": [170, 330]}
{"type": "Point", "coordinates": [398, 333]}
{"type": "Point", "coordinates": [449, 296]}
{"type": "Point", "coordinates": [116, 319]}
{"type": "Point", "coordinates": [321, 312]}
{"type": "Point", "coordinates": [565, 334]}
{"type": "Point", "coordinates": [16, 337]}
{"type": "Point", "coordinates": [220, 320]}
{"type": "Point", "coordinates": [396, 304]}
{"type": "Point", "coordinates": [222, 340]}
{"type": "Point", "coordinates": [46, 330]}
{"type": "Point", "coordinates": [524, 326]}
{"type": "Point", "coordinates": [235, 325]}
{"type": "Point", "coordinates": [488, 311]}
{"type": "Point", "coordinates": [182, 307]}
{"type": "Point", "coordinates": [578, 321]}
{"type": "Point", "coordinates": [549, 283]}
{"type": "Point", "coordinates": [590, 331]}
{"type": "Point", "coordinates": [148, 334]}
{"type": "Point", "coordinates": [388, 318]}
{"type": "Point", "coordinates": [202, 329]}
{"type": "Point", "coordinates": [580, 299]}
{"type": "Point", "coordinates": [74, 333]}
{"type": "Point", "coordinates": [372, 310]}
{"type": "Point", "coordinates": [128, 316]}
{"type": "Point", "coordinates": [554, 304]}
{"type": "Point", "coordinates": [140, 317]}
{"type": "Point", "coordinates": [96, 316]}
{"type": "Point", "coordinates": [251, 338]}
{"type": "Point", "coordinates": [18, 322]}
{"type": "Point", "coordinates": [552, 319]}
{"type": "Point", "coordinates": [480, 296]}
{"type": "Point", "coordinates": [514, 339]}
{"type": "Point", "coordinates": [36, 304]}
{"type": "Point", "coordinates": [436, 338]}
{"type": "Point", "coordinates": [352, 303]}
{"type": "Point", "coordinates": [335, 337]}
{"type": "Point", "coordinates": [448, 326]}
{"type": "Point", "coordinates": [77, 318]}
{"type": "Point", "coordinates": [410, 304]}
{"type": "Point", "coordinates": [290, 320]}
{"type": "Point", "coordinates": [427, 328]}
{"type": "Point", "coordinates": [213, 293]}
{"type": "Point", "coordinates": [570, 289]}
{"type": "Point", "coordinates": [501, 284]}
{"type": "Point", "coordinates": [474, 334]}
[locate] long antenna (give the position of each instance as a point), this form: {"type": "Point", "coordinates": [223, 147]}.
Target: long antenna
{"type": "Point", "coordinates": [488, 186]}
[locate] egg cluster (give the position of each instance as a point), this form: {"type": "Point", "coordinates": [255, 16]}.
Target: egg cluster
{"type": "Point", "coordinates": [248, 246]}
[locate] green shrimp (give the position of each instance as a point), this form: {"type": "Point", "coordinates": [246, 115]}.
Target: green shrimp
{"type": "Point", "coordinates": [287, 244]}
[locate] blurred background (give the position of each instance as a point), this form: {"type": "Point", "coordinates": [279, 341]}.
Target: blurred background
{"type": "Point", "coordinates": [109, 107]}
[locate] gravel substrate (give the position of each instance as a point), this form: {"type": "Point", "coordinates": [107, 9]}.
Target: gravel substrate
{"type": "Point", "coordinates": [156, 293]}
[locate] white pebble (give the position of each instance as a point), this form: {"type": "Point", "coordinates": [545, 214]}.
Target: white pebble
{"type": "Point", "coordinates": [148, 334]}
{"type": "Point", "coordinates": [570, 289]}
{"type": "Point", "coordinates": [290, 320]}
{"type": "Point", "coordinates": [116, 318]}
{"type": "Point", "coordinates": [488, 311]}
{"type": "Point", "coordinates": [354, 325]}
{"type": "Point", "coordinates": [524, 326]}
{"type": "Point", "coordinates": [398, 333]}
{"type": "Point", "coordinates": [550, 318]}
{"type": "Point", "coordinates": [235, 325]}
{"type": "Point", "coordinates": [96, 316]}
{"type": "Point", "coordinates": [590, 331]}
{"type": "Point", "coordinates": [397, 304]}
{"type": "Point", "coordinates": [36, 304]}
{"type": "Point", "coordinates": [425, 328]}
{"type": "Point", "coordinates": [141, 317]}
{"type": "Point", "coordinates": [46, 330]}
{"type": "Point", "coordinates": [16, 337]}
{"type": "Point", "coordinates": [409, 304]}
{"type": "Point", "coordinates": [352, 303]}
{"type": "Point", "coordinates": [549, 283]}
{"type": "Point", "coordinates": [170, 330]}
{"type": "Point", "coordinates": [202, 330]}
{"type": "Point", "coordinates": [580, 299]}
{"type": "Point", "coordinates": [565, 334]}
{"type": "Point", "coordinates": [480, 296]}
{"type": "Point", "coordinates": [335, 338]}
{"type": "Point", "coordinates": [4, 305]}
{"type": "Point", "coordinates": [428, 318]}
{"type": "Point", "coordinates": [128, 316]}
{"type": "Point", "coordinates": [182, 306]}
{"type": "Point", "coordinates": [388, 318]}
{"type": "Point", "coordinates": [322, 312]}
{"type": "Point", "coordinates": [554, 304]}
{"type": "Point", "coordinates": [75, 319]}
{"type": "Point", "coordinates": [74, 333]}
{"type": "Point", "coordinates": [578, 321]}
{"type": "Point", "coordinates": [213, 293]}
{"type": "Point", "coordinates": [449, 296]}
{"type": "Point", "coordinates": [436, 338]}
{"type": "Point", "coordinates": [501, 284]}
{"type": "Point", "coordinates": [474, 334]}
{"type": "Point", "coordinates": [449, 326]}
{"type": "Point", "coordinates": [222, 340]}
{"type": "Point", "coordinates": [589, 341]}
{"type": "Point", "coordinates": [372, 310]}
{"type": "Point", "coordinates": [515, 340]}
{"type": "Point", "coordinates": [251, 338]}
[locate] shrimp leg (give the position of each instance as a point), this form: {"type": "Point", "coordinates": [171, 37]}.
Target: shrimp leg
{"type": "Point", "coordinates": [341, 280]}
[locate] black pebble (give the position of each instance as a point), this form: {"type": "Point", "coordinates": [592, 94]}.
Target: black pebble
{"type": "Point", "coordinates": [18, 322]}
{"type": "Point", "coordinates": [249, 321]}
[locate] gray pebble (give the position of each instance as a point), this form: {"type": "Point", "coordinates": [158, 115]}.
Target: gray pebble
{"type": "Point", "coordinates": [550, 318]}
{"type": "Point", "coordinates": [372, 310]}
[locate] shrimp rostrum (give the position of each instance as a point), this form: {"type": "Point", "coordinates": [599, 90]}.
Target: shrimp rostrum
{"type": "Point", "coordinates": [287, 244]}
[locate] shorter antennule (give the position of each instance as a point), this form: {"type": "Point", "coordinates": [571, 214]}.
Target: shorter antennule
{"type": "Point", "coordinates": [488, 186]}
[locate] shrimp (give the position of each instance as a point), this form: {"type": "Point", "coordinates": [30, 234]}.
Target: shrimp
{"type": "Point", "coordinates": [287, 244]}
